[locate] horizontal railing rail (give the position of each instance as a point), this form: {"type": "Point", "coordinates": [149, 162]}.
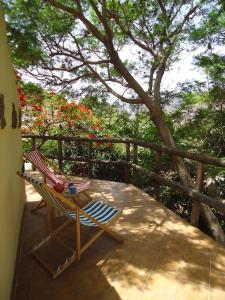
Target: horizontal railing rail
{"type": "Point", "coordinates": [159, 148]}
{"type": "Point", "coordinates": [192, 193]}
{"type": "Point", "coordinates": [132, 169]}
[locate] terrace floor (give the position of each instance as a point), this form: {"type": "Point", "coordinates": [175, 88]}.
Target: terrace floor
{"type": "Point", "coordinates": [162, 257]}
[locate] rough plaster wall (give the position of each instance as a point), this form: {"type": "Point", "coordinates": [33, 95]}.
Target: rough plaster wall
{"type": "Point", "coordinates": [11, 186]}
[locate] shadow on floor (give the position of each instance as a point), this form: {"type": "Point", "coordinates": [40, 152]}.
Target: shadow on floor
{"type": "Point", "coordinates": [162, 256]}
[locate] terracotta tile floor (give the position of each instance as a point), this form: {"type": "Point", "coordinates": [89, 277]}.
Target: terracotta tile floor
{"type": "Point", "coordinates": [162, 257]}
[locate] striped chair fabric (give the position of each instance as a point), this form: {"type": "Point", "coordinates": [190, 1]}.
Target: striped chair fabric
{"type": "Point", "coordinates": [35, 158]}
{"type": "Point", "coordinates": [99, 211]}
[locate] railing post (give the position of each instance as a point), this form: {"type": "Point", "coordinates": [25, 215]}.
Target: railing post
{"type": "Point", "coordinates": [126, 167]}
{"type": "Point", "coordinates": [33, 146]}
{"type": "Point", "coordinates": [157, 171]}
{"type": "Point", "coordinates": [90, 149]}
{"type": "Point", "coordinates": [60, 154]}
{"type": "Point", "coordinates": [135, 161]}
{"type": "Point", "coordinates": [199, 186]}
{"type": "Point", "coordinates": [33, 143]}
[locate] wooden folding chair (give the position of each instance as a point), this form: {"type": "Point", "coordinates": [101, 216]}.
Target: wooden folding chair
{"type": "Point", "coordinates": [94, 214]}
{"type": "Point", "coordinates": [40, 162]}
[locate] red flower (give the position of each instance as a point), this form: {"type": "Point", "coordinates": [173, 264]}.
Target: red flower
{"type": "Point", "coordinates": [22, 100]}
{"type": "Point", "coordinates": [91, 135]}
{"type": "Point", "coordinates": [24, 130]}
{"type": "Point", "coordinates": [67, 117]}
{"type": "Point", "coordinates": [37, 107]}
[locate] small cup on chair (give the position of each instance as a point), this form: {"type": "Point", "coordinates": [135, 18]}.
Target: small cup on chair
{"type": "Point", "coordinates": [72, 189]}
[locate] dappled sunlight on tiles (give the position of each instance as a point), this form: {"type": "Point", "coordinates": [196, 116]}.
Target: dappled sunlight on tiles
{"type": "Point", "coordinates": [192, 290]}
{"type": "Point", "coordinates": [162, 256]}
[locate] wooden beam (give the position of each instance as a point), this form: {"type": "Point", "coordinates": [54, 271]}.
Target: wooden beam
{"type": "Point", "coordinates": [161, 148]}
{"type": "Point", "coordinates": [78, 250]}
{"type": "Point", "coordinates": [90, 149]}
{"type": "Point", "coordinates": [60, 155]}
{"type": "Point", "coordinates": [192, 193]}
{"type": "Point", "coordinates": [126, 166]}
{"type": "Point", "coordinates": [33, 146]}
{"type": "Point", "coordinates": [157, 171]}
{"type": "Point", "coordinates": [135, 161]}
{"type": "Point", "coordinates": [196, 205]}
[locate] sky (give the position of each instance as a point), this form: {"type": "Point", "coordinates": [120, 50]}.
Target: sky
{"type": "Point", "coordinates": [183, 70]}
{"type": "Point", "coordinates": [180, 71]}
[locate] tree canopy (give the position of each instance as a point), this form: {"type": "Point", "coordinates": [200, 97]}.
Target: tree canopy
{"type": "Point", "coordinates": [63, 42]}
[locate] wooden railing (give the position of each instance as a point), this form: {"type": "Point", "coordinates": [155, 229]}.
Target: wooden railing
{"type": "Point", "coordinates": [132, 169]}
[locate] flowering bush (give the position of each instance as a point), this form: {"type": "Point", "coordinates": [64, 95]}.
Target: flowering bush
{"type": "Point", "coordinates": [47, 112]}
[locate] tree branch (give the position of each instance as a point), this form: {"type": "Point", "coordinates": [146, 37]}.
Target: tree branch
{"type": "Point", "coordinates": [162, 7]}
{"type": "Point", "coordinates": [79, 14]}
{"type": "Point", "coordinates": [113, 92]}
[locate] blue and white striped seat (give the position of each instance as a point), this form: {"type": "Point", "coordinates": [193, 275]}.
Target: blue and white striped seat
{"type": "Point", "coordinates": [100, 211]}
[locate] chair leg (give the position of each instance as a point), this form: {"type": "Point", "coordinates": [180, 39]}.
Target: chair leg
{"type": "Point", "coordinates": [69, 260]}
{"type": "Point", "coordinates": [51, 235]}
{"type": "Point", "coordinates": [39, 205]}
{"type": "Point", "coordinates": [61, 268]}
{"type": "Point", "coordinates": [49, 217]}
{"type": "Point", "coordinates": [92, 240]}
{"type": "Point", "coordinates": [77, 234]}
{"type": "Point", "coordinates": [65, 265]}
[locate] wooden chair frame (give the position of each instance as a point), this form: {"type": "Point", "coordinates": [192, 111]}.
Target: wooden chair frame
{"type": "Point", "coordinates": [68, 204]}
{"type": "Point", "coordinates": [75, 254]}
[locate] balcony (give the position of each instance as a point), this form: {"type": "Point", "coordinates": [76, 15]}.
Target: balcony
{"type": "Point", "coordinates": [162, 257]}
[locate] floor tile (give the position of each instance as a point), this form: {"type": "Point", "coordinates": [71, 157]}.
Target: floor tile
{"type": "Point", "coordinates": [164, 284]}
{"type": "Point", "coordinates": [153, 296]}
{"type": "Point", "coordinates": [195, 273]}
{"type": "Point", "coordinates": [188, 290]}
{"type": "Point", "coordinates": [217, 280]}
{"type": "Point", "coordinates": [217, 294]}
{"type": "Point", "coordinates": [124, 292]}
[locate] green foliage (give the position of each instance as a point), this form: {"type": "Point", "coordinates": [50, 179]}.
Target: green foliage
{"type": "Point", "coordinates": [27, 24]}
{"type": "Point", "coordinates": [210, 29]}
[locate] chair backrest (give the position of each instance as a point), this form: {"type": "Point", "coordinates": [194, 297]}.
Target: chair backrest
{"type": "Point", "coordinates": [39, 186]}
{"type": "Point", "coordinates": [36, 159]}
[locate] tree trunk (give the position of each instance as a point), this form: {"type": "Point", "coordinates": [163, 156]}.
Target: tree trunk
{"type": "Point", "coordinates": [207, 218]}
{"type": "Point", "coordinates": [209, 221]}
{"type": "Point", "coordinates": [210, 224]}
